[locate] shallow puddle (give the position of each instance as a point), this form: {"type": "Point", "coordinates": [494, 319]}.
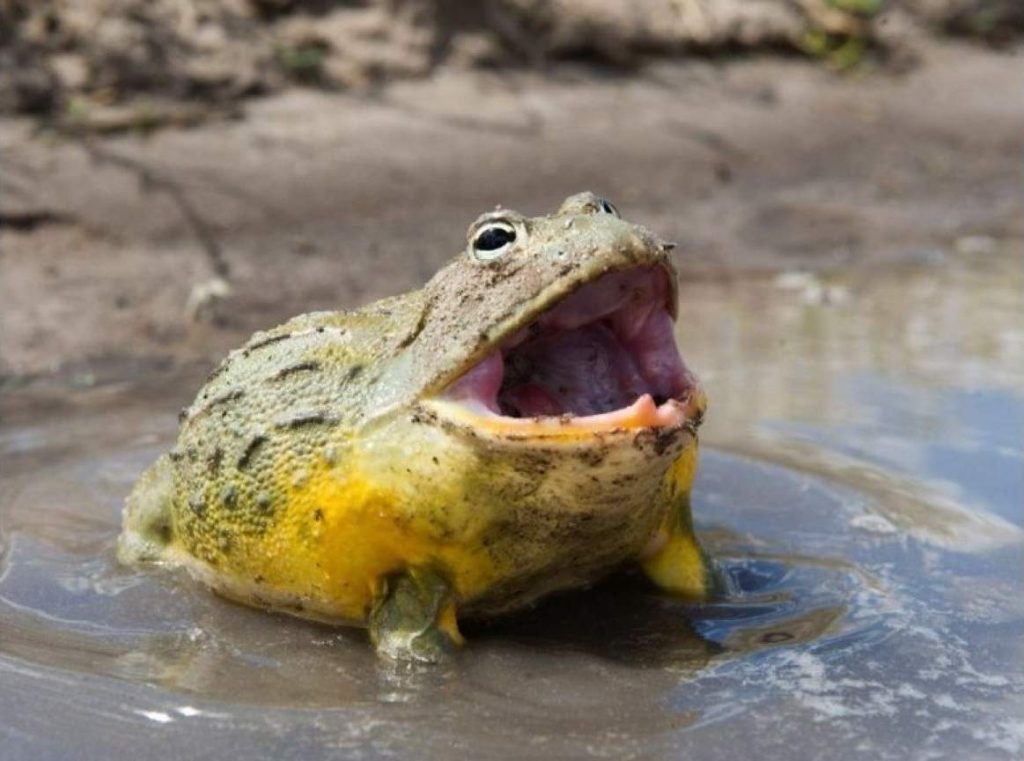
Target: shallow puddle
{"type": "Point", "coordinates": [861, 487]}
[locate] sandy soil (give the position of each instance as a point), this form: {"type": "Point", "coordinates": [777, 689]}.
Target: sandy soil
{"type": "Point", "coordinates": [118, 252]}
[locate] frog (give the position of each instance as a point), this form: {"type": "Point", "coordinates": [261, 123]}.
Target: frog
{"type": "Point", "coordinates": [521, 425]}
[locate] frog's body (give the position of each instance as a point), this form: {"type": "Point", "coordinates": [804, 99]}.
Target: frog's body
{"type": "Point", "coordinates": [383, 466]}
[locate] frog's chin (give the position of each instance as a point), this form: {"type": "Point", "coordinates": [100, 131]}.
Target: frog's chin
{"type": "Point", "coordinates": [604, 358]}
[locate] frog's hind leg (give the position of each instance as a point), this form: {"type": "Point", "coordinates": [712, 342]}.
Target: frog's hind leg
{"type": "Point", "coordinates": [675, 561]}
{"type": "Point", "coordinates": [146, 529]}
{"type": "Point", "coordinates": [413, 617]}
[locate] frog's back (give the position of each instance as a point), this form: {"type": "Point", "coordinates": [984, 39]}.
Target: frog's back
{"type": "Point", "coordinates": [291, 395]}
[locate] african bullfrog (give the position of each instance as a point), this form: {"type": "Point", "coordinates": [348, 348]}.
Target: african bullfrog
{"type": "Point", "coordinates": [522, 424]}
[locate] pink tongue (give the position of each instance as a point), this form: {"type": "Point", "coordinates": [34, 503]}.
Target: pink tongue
{"type": "Point", "coordinates": [583, 372]}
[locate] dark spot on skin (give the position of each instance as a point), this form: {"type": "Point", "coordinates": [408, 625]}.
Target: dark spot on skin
{"type": "Point", "coordinates": [420, 415]}
{"type": "Point", "coordinates": [183, 414]}
{"type": "Point", "coordinates": [657, 438]}
{"type": "Point", "coordinates": [258, 579]}
{"type": "Point", "coordinates": [436, 461]}
{"type": "Point", "coordinates": [264, 502]}
{"type": "Point", "coordinates": [353, 373]}
{"type": "Point", "coordinates": [308, 418]}
{"type": "Point", "coordinates": [592, 457]}
{"type": "Point", "coordinates": [534, 464]}
{"type": "Point", "coordinates": [320, 329]}
{"type": "Point", "coordinates": [213, 461]}
{"type": "Point", "coordinates": [421, 324]}
{"type": "Point", "coordinates": [227, 396]}
{"type": "Point", "coordinates": [217, 371]}
{"type": "Point", "coordinates": [284, 372]}
{"type": "Point", "coordinates": [229, 495]}
{"type": "Point", "coordinates": [250, 449]}
{"type": "Point", "coordinates": [174, 455]}
{"type": "Point", "coordinates": [163, 532]}
{"type": "Point", "coordinates": [318, 515]}
{"type": "Point", "coordinates": [465, 431]}
{"type": "Point", "coordinates": [266, 342]}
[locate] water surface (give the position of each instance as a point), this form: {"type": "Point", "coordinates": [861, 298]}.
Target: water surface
{"type": "Point", "coordinates": [861, 487]}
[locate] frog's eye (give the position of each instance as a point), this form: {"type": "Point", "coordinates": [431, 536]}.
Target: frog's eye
{"type": "Point", "coordinates": [493, 240]}
{"type": "Point", "coordinates": [607, 207]}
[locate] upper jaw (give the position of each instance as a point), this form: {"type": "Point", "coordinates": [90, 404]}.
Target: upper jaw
{"type": "Point", "coordinates": [601, 358]}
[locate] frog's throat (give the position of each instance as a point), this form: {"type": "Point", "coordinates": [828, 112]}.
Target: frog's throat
{"type": "Point", "coordinates": [603, 358]}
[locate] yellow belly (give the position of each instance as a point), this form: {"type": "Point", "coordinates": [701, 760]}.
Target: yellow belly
{"type": "Point", "coordinates": [500, 537]}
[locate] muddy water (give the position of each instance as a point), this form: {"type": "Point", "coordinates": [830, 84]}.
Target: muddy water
{"type": "Point", "coordinates": [861, 487]}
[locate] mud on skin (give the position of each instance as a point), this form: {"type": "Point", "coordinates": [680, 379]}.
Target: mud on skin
{"type": "Point", "coordinates": [522, 424]}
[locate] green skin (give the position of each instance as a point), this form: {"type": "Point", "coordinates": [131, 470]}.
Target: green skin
{"type": "Point", "coordinates": [346, 404]}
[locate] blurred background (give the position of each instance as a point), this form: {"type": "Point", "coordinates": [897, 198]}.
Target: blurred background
{"type": "Point", "coordinates": [178, 174]}
{"type": "Point", "coordinates": [844, 181]}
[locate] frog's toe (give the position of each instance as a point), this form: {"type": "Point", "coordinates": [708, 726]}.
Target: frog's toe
{"type": "Point", "coordinates": [413, 618]}
{"type": "Point", "coordinates": [675, 560]}
{"type": "Point", "coordinates": [681, 568]}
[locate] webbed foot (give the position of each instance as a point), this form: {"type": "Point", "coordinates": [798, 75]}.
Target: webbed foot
{"type": "Point", "coordinates": [146, 520]}
{"type": "Point", "coordinates": [413, 618]}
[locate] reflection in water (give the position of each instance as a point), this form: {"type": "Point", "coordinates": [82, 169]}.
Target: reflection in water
{"type": "Point", "coordinates": [860, 489]}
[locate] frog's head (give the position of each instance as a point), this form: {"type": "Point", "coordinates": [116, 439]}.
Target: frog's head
{"type": "Point", "coordinates": [555, 328]}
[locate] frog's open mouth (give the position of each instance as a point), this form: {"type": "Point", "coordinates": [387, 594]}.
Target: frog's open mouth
{"type": "Point", "coordinates": [603, 357]}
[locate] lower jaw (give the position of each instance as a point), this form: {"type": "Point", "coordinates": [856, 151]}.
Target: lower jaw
{"type": "Point", "coordinates": [641, 414]}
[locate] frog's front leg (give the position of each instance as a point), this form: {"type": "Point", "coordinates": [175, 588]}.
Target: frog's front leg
{"type": "Point", "coordinates": [413, 617]}
{"type": "Point", "coordinates": [675, 560]}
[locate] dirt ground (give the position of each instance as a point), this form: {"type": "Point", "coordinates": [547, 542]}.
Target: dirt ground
{"type": "Point", "coordinates": [106, 65]}
{"type": "Point", "coordinates": [132, 253]}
